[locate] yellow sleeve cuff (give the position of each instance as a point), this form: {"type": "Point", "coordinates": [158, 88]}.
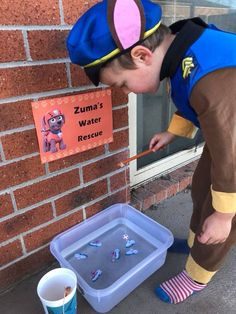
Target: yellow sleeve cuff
{"type": "Point", "coordinates": [223, 202]}
{"type": "Point", "coordinates": [182, 127]}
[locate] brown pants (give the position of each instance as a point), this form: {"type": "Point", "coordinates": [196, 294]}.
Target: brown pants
{"type": "Point", "coordinates": [204, 260]}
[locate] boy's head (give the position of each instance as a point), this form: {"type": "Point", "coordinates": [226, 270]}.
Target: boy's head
{"type": "Point", "coordinates": [109, 31]}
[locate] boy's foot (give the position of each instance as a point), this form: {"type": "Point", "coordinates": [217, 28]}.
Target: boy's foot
{"type": "Point", "coordinates": [178, 288]}
{"type": "Point", "coordinates": [179, 246]}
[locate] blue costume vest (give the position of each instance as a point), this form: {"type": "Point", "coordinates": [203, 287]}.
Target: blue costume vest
{"type": "Point", "coordinates": [213, 50]}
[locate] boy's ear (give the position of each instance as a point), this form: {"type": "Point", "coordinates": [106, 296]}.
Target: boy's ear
{"type": "Point", "coordinates": [141, 54]}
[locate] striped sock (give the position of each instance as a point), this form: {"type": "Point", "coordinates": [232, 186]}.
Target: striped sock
{"type": "Point", "coordinates": [178, 288]}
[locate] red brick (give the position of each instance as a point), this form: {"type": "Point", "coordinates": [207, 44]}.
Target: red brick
{"type": "Point", "coordinates": [10, 251]}
{"type": "Point", "coordinates": [102, 167]}
{"type": "Point", "coordinates": [147, 197]}
{"type": "Point", "coordinates": [97, 207]}
{"type": "Point", "coordinates": [80, 197]}
{"type": "Point", "coordinates": [163, 187]}
{"type": "Point", "coordinates": [42, 190]}
{"type": "Point", "coordinates": [21, 223]}
{"type": "Point", "coordinates": [32, 79]}
{"type": "Point", "coordinates": [21, 171]}
{"type": "Point", "coordinates": [47, 44]}
{"type": "Point", "coordinates": [184, 183]}
{"type": "Point", "coordinates": [15, 115]}
{"type": "Point", "coordinates": [183, 177]}
{"type": "Point", "coordinates": [6, 206]}
{"type": "Point", "coordinates": [157, 189]}
{"type": "Point", "coordinates": [119, 197]}
{"type": "Point", "coordinates": [12, 46]}
{"type": "Point", "coordinates": [136, 203]}
{"type": "Point", "coordinates": [118, 97]}
{"type": "Point", "coordinates": [20, 144]}
{"type": "Point", "coordinates": [75, 159]}
{"type": "Point", "coordinates": [120, 118]}
{"type": "Point", "coordinates": [45, 235]}
{"type": "Point", "coordinates": [171, 186]}
{"type": "Point", "coordinates": [122, 196]}
{"type": "Point", "coordinates": [177, 174]}
{"type": "Point", "coordinates": [27, 12]}
{"type": "Point", "coordinates": [74, 9]}
{"type": "Point", "coordinates": [191, 166]}
{"type": "Point", "coordinates": [19, 270]}
{"type": "Point", "coordinates": [78, 77]}
{"type": "Point", "coordinates": [119, 180]}
{"type": "Point", "coordinates": [120, 140]}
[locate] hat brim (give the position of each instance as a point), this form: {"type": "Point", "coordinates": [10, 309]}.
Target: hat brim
{"type": "Point", "coordinates": [93, 73]}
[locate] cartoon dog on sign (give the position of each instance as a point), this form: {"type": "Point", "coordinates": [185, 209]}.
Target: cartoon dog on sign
{"type": "Point", "coordinates": [52, 123]}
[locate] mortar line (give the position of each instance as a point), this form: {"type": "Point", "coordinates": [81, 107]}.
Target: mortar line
{"type": "Point", "coordinates": [26, 45]}
{"type": "Point", "coordinates": [2, 152]}
{"type": "Point", "coordinates": [35, 27]}
{"type": "Point", "coordinates": [20, 64]}
{"type": "Point", "coordinates": [61, 12]}
{"type": "Point", "coordinates": [13, 202]}
{"type": "Point", "coordinates": [55, 92]}
{"type": "Point", "coordinates": [68, 73]}
{"type": "Point", "coordinates": [23, 245]}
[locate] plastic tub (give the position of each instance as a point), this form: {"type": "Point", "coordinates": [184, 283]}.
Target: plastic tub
{"type": "Point", "coordinates": [109, 228]}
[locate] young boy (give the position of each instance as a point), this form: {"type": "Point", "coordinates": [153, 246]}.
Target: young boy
{"type": "Point", "coordinates": [123, 43]}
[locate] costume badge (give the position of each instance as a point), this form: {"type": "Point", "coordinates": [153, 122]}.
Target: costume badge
{"type": "Point", "coordinates": [187, 65]}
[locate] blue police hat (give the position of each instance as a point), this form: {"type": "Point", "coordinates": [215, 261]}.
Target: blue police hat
{"type": "Point", "coordinates": [109, 29]}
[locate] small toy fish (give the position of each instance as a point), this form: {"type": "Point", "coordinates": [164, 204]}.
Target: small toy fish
{"type": "Point", "coordinates": [95, 243]}
{"type": "Point", "coordinates": [96, 274]}
{"type": "Point", "coordinates": [115, 255]}
{"type": "Point", "coordinates": [131, 252]}
{"type": "Point", "coordinates": [129, 243]}
{"type": "Point", "coordinates": [81, 256]}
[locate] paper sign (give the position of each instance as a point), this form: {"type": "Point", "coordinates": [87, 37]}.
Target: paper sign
{"type": "Point", "coordinates": [73, 124]}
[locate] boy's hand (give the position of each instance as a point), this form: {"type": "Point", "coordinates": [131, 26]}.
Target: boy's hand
{"type": "Point", "coordinates": [160, 140]}
{"type": "Point", "coordinates": [216, 228]}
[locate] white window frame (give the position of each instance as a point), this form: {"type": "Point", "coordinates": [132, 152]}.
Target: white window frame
{"type": "Point", "coordinates": [160, 167]}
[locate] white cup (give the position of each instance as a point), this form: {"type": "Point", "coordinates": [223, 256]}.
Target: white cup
{"type": "Point", "coordinates": [51, 291]}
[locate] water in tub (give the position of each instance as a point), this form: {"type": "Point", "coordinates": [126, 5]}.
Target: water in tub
{"type": "Point", "coordinates": [111, 237]}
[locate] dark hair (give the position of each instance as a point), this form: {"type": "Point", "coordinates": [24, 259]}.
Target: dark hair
{"type": "Point", "coordinates": [151, 42]}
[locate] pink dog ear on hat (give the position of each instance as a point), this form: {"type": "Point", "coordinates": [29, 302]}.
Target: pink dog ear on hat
{"type": "Point", "coordinates": [126, 22]}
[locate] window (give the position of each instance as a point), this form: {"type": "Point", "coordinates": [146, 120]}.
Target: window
{"type": "Point", "coordinates": [151, 113]}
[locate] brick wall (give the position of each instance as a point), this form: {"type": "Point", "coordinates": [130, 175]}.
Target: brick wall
{"type": "Point", "coordinates": [39, 201]}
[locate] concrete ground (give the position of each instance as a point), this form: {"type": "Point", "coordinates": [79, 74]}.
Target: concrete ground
{"type": "Point", "coordinates": [174, 213]}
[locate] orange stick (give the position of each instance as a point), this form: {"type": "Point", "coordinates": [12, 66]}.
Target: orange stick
{"type": "Point", "coordinates": [146, 152]}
